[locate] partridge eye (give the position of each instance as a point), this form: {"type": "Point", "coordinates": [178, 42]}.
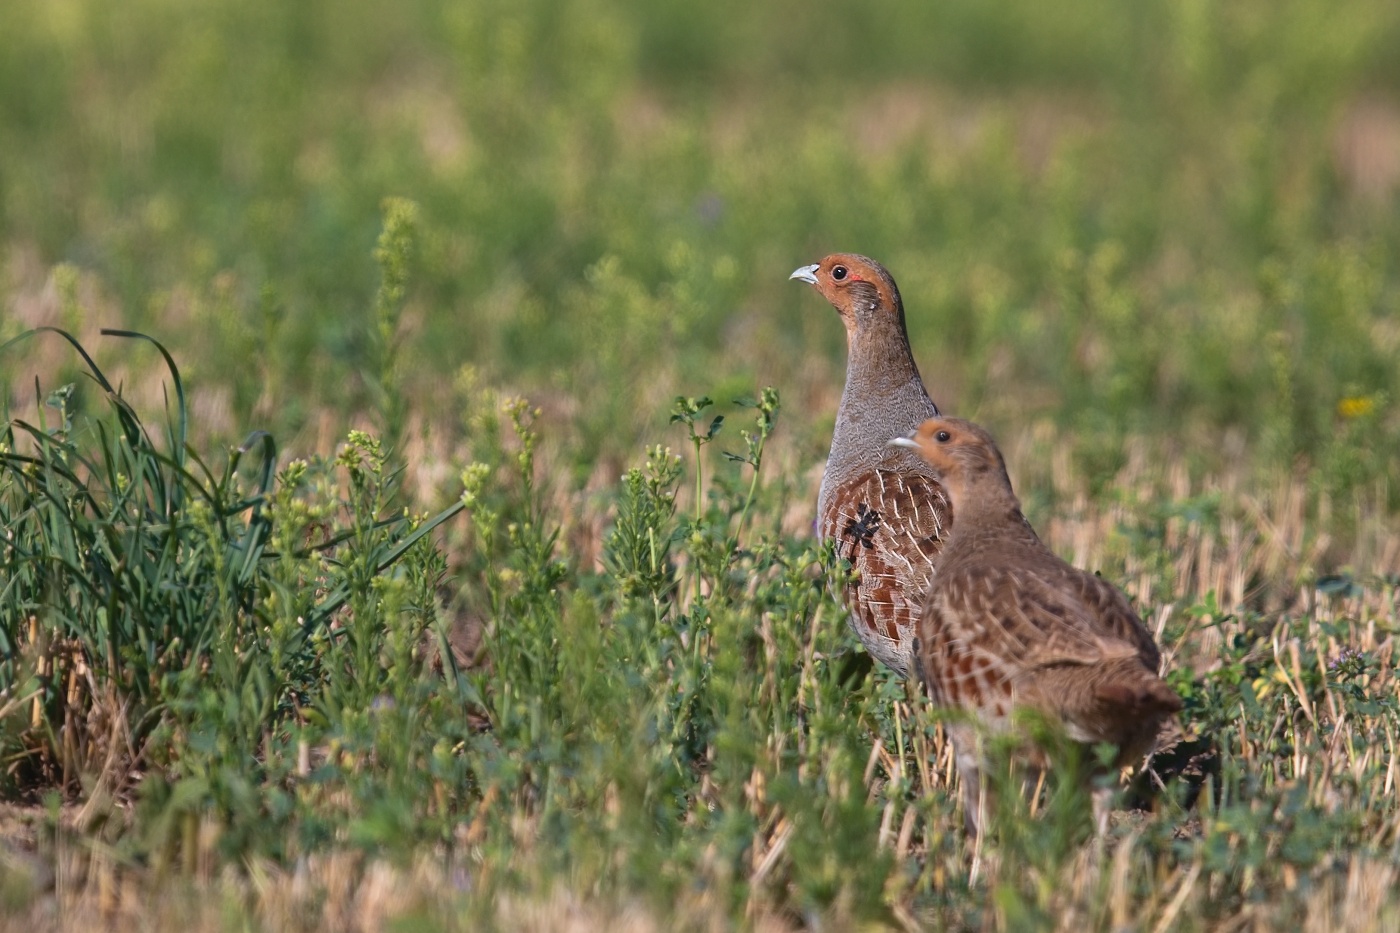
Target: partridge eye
{"type": "Point", "coordinates": [943, 437]}
{"type": "Point", "coordinates": [838, 273]}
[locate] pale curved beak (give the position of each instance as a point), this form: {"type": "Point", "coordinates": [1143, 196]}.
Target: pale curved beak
{"type": "Point", "coordinates": [807, 274]}
{"type": "Point", "coordinates": [903, 442]}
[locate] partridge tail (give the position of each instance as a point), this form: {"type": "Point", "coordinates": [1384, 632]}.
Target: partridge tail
{"type": "Point", "coordinates": [1139, 691]}
{"type": "Point", "coordinates": [1117, 700]}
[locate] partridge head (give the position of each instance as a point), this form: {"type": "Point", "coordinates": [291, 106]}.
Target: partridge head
{"type": "Point", "coordinates": [964, 457]}
{"type": "Point", "coordinates": [860, 289]}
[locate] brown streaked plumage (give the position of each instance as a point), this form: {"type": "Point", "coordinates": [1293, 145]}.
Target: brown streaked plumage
{"type": "Point", "coordinates": [881, 506]}
{"type": "Point", "coordinates": [1009, 625]}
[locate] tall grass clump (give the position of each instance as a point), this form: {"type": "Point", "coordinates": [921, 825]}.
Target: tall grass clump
{"type": "Point", "coordinates": [182, 621]}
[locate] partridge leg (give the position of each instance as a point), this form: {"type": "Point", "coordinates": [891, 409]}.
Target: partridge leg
{"type": "Point", "coordinates": [1103, 806]}
{"type": "Point", "coordinates": [975, 801]}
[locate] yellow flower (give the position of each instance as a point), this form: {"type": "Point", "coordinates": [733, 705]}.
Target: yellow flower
{"type": "Point", "coordinates": [1263, 686]}
{"type": "Point", "coordinates": [1356, 406]}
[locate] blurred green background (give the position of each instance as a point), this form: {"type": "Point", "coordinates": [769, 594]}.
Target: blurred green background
{"type": "Point", "coordinates": [1161, 218]}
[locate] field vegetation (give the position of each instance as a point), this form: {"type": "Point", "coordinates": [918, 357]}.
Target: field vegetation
{"type": "Point", "coordinates": [411, 438]}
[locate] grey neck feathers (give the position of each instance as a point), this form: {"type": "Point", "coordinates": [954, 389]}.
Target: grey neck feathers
{"type": "Point", "coordinates": [884, 398]}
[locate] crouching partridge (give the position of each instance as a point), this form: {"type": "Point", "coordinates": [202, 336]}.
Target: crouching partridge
{"type": "Point", "coordinates": [1008, 625]}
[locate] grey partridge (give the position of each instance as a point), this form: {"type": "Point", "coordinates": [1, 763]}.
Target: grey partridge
{"type": "Point", "coordinates": [1007, 625]}
{"type": "Point", "coordinates": [882, 506]}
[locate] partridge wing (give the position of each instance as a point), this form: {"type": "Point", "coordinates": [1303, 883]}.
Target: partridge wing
{"type": "Point", "coordinates": [1110, 613]}
{"type": "Point", "coordinates": [988, 628]}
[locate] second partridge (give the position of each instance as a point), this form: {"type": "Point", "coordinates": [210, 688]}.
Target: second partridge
{"type": "Point", "coordinates": [1007, 624]}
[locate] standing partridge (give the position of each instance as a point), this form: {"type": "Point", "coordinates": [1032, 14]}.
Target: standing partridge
{"type": "Point", "coordinates": [881, 505]}
{"type": "Point", "coordinates": [1008, 625]}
